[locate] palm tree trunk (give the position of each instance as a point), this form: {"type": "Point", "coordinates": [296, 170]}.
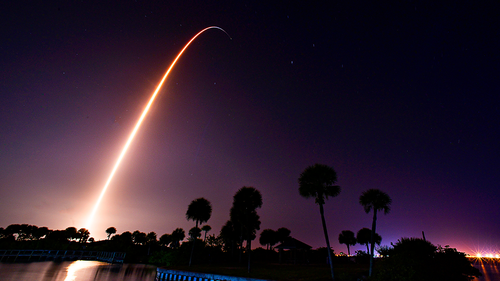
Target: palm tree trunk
{"type": "Point", "coordinates": [241, 248]}
{"type": "Point", "coordinates": [249, 250]}
{"type": "Point", "coordinates": [374, 224]}
{"type": "Point", "coordinates": [321, 211]}
{"type": "Point", "coordinates": [192, 249]}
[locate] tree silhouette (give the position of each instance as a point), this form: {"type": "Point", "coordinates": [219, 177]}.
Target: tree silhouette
{"type": "Point", "coordinates": [125, 238]}
{"type": "Point", "coordinates": [230, 235]}
{"type": "Point", "coordinates": [282, 234]}
{"type": "Point", "coordinates": [415, 259]}
{"type": "Point", "coordinates": [110, 231]}
{"type": "Point", "coordinates": [165, 239]}
{"type": "Point", "coordinates": [84, 235]}
{"type": "Point", "coordinates": [139, 238]}
{"type": "Point", "coordinates": [215, 242]}
{"type": "Point", "coordinates": [194, 233]}
{"type": "Point", "coordinates": [58, 235]}
{"type": "Point", "coordinates": [347, 237]}
{"type": "Point", "coordinates": [41, 232]}
{"type": "Point", "coordinates": [378, 201]}
{"type": "Point", "coordinates": [206, 228]}
{"type": "Point", "coordinates": [364, 237]}
{"type": "Point", "coordinates": [151, 237]}
{"type": "Point", "coordinates": [318, 181]}
{"type": "Point", "coordinates": [71, 233]}
{"type": "Point", "coordinates": [268, 237]}
{"type": "Point", "coordinates": [199, 211]}
{"type": "Point", "coordinates": [177, 235]}
{"type": "Point", "coordinates": [243, 213]}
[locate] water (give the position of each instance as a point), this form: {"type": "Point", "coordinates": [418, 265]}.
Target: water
{"type": "Point", "coordinates": [76, 271]}
{"type": "Point", "coordinates": [489, 268]}
{"type": "Point", "coordinates": [101, 271]}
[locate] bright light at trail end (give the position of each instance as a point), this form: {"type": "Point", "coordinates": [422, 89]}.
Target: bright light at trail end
{"type": "Point", "coordinates": [139, 122]}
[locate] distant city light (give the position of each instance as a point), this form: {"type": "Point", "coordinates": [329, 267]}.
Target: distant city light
{"type": "Point", "coordinates": [486, 255]}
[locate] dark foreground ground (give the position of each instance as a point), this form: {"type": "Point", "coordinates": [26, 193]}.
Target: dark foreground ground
{"type": "Point", "coordinates": [343, 272]}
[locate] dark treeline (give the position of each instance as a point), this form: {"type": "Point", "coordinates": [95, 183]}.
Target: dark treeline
{"type": "Point", "coordinates": [408, 259]}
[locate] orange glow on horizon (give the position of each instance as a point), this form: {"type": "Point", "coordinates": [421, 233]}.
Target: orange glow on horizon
{"type": "Point", "coordinates": [485, 256]}
{"type": "Point", "coordinates": [139, 122]}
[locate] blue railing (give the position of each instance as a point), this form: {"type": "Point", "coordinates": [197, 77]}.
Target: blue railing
{"type": "Point", "coordinates": [177, 275]}
{"type": "Point", "coordinates": [44, 255]}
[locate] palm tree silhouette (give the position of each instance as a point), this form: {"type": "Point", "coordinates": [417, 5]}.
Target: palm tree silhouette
{"type": "Point", "coordinates": [200, 211]}
{"type": "Point", "coordinates": [378, 201]}
{"type": "Point", "coordinates": [364, 237]}
{"type": "Point", "coordinates": [268, 237]}
{"type": "Point", "coordinates": [110, 231]}
{"type": "Point", "coordinates": [177, 235]}
{"type": "Point", "coordinates": [206, 228]}
{"type": "Point", "coordinates": [347, 237]}
{"type": "Point", "coordinates": [318, 181]}
{"type": "Point", "coordinates": [243, 213]}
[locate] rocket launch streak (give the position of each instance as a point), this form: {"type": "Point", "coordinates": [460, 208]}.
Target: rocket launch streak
{"type": "Point", "coordinates": [136, 128]}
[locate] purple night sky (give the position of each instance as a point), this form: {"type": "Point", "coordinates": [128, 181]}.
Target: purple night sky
{"type": "Point", "coordinates": [402, 96]}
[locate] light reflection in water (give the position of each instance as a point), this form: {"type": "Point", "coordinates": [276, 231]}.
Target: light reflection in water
{"type": "Point", "coordinates": [76, 266]}
{"type": "Point", "coordinates": [76, 271]}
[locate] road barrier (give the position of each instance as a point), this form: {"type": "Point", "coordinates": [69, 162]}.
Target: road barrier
{"type": "Point", "coordinates": [177, 275]}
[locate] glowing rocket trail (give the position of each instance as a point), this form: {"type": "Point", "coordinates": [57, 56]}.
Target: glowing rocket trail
{"type": "Point", "coordinates": [134, 131]}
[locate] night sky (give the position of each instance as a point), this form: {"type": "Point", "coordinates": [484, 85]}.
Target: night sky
{"type": "Point", "coordinates": [402, 96]}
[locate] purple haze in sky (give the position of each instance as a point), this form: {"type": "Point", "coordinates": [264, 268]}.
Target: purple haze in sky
{"type": "Point", "coordinates": [399, 96]}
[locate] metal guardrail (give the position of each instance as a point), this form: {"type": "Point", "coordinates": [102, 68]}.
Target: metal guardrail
{"type": "Point", "coordinates": [44, 255]}
{"type": "Point", "coordinates": [177, 275]}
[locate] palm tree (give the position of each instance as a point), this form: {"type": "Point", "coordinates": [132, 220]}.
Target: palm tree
{"type": "Point", "coordinates": [268, 237]}
{"type": "Point", "coordinates": [318, 181]}
{"type": "Point", "coordinates": [347, 237]}
{"type": "Point", "coordinates": [199, 210]}
{"type": "Point", "coordinates": [140, 238]}
{"type": "Point", "coordinates": [243, 213]}
{"type": "Point", "coordinates": [165, 239]}
{"type": "Point", "coordinates": [177, 235]}
{"type": "Point", "coordinates": [230, 236]}
{"type": "Point", "coordinates": [364, 237]}
{"type": "Point", "coordinates": [151, 239]}
{"type": "Point", "coordinates": [282, 234]}
{"type": "Point", "coordinates": [378, 201]}
{"type": "Point", "coordinates": [110, 231]}
{"type": "Point", "coordinates": [206, 228]}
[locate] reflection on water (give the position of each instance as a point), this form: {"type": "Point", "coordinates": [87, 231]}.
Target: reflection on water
{"type": "Point", "coordinates": [489, 268]}
{"type": "Point", "coordinates": [76, 271]}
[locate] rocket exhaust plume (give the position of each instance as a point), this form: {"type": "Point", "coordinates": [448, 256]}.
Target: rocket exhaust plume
{"type": "Point", "coordinates": [139, 122]}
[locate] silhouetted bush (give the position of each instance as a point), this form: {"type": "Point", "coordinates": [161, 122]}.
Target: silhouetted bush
{"type": "Point", "coordinates": [414, 259]}
{"type": "Point", "coordinates": [164, 258]}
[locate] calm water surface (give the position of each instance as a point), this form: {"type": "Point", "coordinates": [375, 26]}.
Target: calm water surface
{"type": "Point", "coordinates": [101, 271]}
{"type": "Point", "coordinates": [76, 271]}
{"type": "Point", "coordinates": [489, 268]}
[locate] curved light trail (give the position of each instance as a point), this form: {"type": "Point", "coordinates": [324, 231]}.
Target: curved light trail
{"type": "Point", "coordinates": [138, 125]}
